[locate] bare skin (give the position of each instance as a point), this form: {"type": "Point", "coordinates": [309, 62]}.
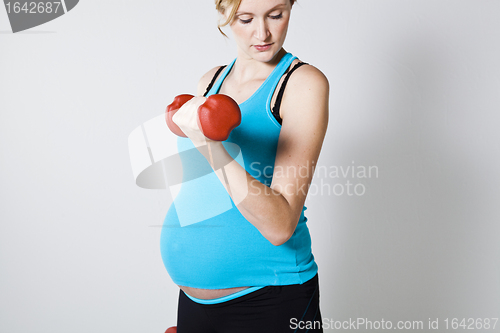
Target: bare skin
{"type": "Point", "coordinates": [210, 293]}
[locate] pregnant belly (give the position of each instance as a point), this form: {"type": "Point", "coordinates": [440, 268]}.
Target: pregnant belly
{"type": "Point", "coordinates": [205, 259]}
{"type": "Point", "coordinates": [221, 256]}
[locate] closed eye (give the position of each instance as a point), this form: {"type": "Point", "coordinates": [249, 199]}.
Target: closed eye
{"type": "Point", "coordinates": [274, 17]}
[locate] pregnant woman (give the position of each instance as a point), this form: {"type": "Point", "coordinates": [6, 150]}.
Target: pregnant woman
{"type": "Point", "coordinates": [236, 240]}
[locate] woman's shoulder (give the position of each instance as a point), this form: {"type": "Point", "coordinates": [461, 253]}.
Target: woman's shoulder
{"type": "Point", "coordinates": [307, 89]}
{"type": "Point", "coordinates": [206, 79]}
{"type": "Point", "coordinates": [307, 77]}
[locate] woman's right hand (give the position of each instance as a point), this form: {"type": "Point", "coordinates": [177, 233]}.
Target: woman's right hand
{"type": "Point", "coordinates": [187, 120]}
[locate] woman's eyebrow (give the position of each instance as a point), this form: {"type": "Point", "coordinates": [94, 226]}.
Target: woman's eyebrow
{"type": "Point", "coordinates": [270, 10]}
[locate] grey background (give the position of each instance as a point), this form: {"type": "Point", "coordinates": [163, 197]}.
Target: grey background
{"type": "Point", "coordinates": [415, 91]}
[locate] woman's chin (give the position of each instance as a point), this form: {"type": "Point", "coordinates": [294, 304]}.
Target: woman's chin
{"type": "Point", "coordinates": [264, 56]}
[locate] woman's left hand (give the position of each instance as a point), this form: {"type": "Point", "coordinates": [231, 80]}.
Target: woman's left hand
{"type": "Point", "coordinates": [187, 120]}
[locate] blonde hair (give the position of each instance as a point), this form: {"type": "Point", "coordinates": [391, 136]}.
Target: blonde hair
{"type": "Point", "coordinates": [222, 5]}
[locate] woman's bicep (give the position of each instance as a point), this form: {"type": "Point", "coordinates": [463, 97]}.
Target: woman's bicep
{"type": "Point", "coordinates": [305, 121]}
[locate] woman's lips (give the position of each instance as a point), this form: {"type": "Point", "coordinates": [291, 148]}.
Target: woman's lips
{"type": "Point", "coordinates": [263, 47]}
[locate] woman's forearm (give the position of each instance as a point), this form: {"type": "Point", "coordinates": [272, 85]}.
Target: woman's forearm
{"type": "Point", "coordinates": [262, 206]}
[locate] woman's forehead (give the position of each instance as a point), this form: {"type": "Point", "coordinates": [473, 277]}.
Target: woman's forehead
{"type": "Point", "coordinates": [259, 6]}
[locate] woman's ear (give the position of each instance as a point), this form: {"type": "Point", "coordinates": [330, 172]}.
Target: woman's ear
{"type": "Point", "coordinates": [223, 15]}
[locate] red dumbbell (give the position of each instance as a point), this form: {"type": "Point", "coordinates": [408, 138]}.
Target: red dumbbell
{"type": "Point", "coordinates": [172, 329]}
{"type": "Point", "coordinates": [217, 117]}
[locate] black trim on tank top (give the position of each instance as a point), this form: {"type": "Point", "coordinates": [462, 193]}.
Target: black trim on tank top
{"type": "Point", "coordinates": [276, 108]}
{"type": "Point", "coordinates": [213, 80]}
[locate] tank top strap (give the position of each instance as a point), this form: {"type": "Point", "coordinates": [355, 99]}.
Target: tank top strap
{"type": "Point", "coordinates": [270, 83]}
{"type": "Point", "coordinates": [216, 87]}
{"type": "Point", "coordinates": [273, 79]}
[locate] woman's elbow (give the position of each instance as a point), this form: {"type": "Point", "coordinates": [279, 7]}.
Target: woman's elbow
{"type": "Point", "coordinates": [281, 240]}
{"type": "Point", "coordinates": [282, 237]}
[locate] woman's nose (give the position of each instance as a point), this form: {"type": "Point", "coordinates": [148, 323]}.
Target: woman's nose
{"type": "Point", "coordinates": [262, 31]}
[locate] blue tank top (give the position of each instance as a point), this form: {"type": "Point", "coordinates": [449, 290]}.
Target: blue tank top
{"type": "Point", "coordinates": [205, 241]}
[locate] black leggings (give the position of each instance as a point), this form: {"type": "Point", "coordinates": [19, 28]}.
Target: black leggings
{"type": "Point", "coordinates": [272, 309]}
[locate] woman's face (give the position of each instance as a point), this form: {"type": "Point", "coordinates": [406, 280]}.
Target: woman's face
{"type": "Point", "coordinates": [260, 26]}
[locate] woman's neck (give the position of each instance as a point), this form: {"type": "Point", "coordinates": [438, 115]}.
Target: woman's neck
{"type": "Point", "coordinates": [246, 69]}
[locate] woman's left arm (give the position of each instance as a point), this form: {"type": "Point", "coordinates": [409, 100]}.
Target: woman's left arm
{"type": "Point", "coordinates": [305, 120]}
{"type": "Point", "coordinates": [274, 210]}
